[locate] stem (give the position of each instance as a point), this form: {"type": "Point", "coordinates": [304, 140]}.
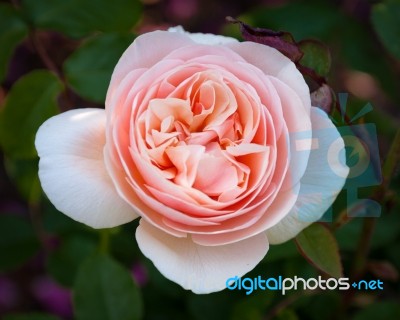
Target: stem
{"type": "Point", "coordinates": [392, 160]}
{"type": "Point", "coordinates": [49, 63]}
{"type": "Point", "coordinates": [341, 220]}
{"type": "Point", "coordinates": [104, 244]}
{"type": "Point", "coordinates": [343, 217]}
{"type": "Point", "coordinates": [36, 220]}
{"type": "Point", "coordinates": [43, 54]}
{"type": "Point", "coordinates": [363, 246]}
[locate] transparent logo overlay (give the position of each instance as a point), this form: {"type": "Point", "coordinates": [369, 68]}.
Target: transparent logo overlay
{"type": "Point", "coordinates": [360, 154]}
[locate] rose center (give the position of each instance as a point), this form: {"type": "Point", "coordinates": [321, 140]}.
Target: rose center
{"type": "Point", "coordinates": [190, 136]}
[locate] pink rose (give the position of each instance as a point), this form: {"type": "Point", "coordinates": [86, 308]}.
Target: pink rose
{"type": "Point", "coordinates": [213, 143]}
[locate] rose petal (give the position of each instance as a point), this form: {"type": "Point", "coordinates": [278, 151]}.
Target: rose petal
{"type": "Point", "coordinates": [138, 55]}
{"type": "Point", "coordinates": [204, 38]}
{"type": "Point", "coordinates": [320, 184]}
{"type": "Point", "coordinates": [72, 171]}
{"type": "Point", "coordinates": [274, 63]}
{"type": "Point", "coordinates": [199, 268]}
{"type": "Point", "coordinates": [280, 207]}
{"type": "Point", "coordinates": [299, 128]}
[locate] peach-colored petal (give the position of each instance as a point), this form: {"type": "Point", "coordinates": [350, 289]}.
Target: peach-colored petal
{"type": "Point", "coordinates": [215, 175]}
{"type": "Point", "coordinates": [280, 207]}
{"type": "Point", "coordinates": [139, 56]}
{"type": "Point", "coordinates": [273, 63]}
{"type": "Point", "coordinates": [186, 160]}
{"type": "Point", "coordinates": [298, 122]}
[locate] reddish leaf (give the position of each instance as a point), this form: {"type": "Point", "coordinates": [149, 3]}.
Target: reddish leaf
{"type": "Point", "coordinates": [280, 40]}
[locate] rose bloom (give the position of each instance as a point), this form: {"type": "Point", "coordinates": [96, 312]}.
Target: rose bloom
{"type": "Point", "coordinates": [212, 142]}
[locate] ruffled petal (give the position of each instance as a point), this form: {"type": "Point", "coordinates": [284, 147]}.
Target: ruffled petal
{"type": "Point", "coordinates": [138, 55]}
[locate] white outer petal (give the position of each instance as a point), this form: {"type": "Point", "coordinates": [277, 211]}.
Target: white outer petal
{"type": "Point", "coordinates": [204, 38]}
{"type": "Point", "coordinates": [202, 269]}
{"type": "Point", "coordinates": [320, 184]}
{"type": "Point", "coordinates": [72, 172]}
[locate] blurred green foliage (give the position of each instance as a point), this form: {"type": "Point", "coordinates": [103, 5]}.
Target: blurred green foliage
{"type": "Point", "coordinates": [385, 18]}
{"type": "Point", "coordinates": [18, 241]}
{"type": "Point", "coordinates": [23, 113]}
{"type": "Point", "coordinates": [90, 80]}
{"type": "Point", "coordinates": [79, 18]}
{"type": "Point", "coordinates": [36, 240]}
{"type": "Point", "coordinates": [12, 31]}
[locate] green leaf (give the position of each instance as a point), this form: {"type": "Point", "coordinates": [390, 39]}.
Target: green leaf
{"type": "Point", "coordinates": [104, 290]}
{"type": "Point", "coordinates": [31, 101]}
{"type": "Point", "coordinates": [316, 56]}
{"type": "Point", "coordinates": [386, 21]}
{"type": "Point", "coordinates": [78, 18]}
{"type": "Point", "coordinates": [64, 263]}
{"type": "Point", "coordinates": [24, 174]}
{"type": "Point", "coordinates": [12, 31]}
{"type": "Point", "coordinates": [319, 247]}
{"type": "Point", "coordinates": [18, 241]}
{"type": "Point", "coordinates": [31, 316]}
{"type": "Point", "coordinates": [88, 70]}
